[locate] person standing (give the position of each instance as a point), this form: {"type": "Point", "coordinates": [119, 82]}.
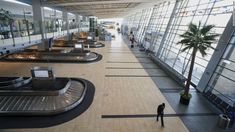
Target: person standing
{"type": "Point", "coordinates": [160, 112]}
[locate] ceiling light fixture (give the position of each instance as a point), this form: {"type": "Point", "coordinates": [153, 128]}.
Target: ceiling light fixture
{"type": "Point", "coordinates": [17, 2]}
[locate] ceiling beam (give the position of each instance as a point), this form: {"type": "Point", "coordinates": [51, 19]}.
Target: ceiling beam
{"type": "Point", "coordinates": [97, 10]}
{"type": "Point", "coordinates": [100, 13]}
{"type": "Point", "coordinates": [103, 14]}
{"type": "Point", "coordinates": [108, 16]}
{"type": "Point", "coordinates": [107, 13]}
{"type": "Point", "coordinates": [96, 2]}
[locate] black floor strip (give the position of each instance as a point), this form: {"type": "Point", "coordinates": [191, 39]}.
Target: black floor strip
{"type": "Point", "coordinates": [122, 50]}
{"type": "Point", "coordinates": [142, 56]}
{"type": "Point", "coordinates": [127, 52]}
{"type": "Point", "coordinates": [154, 115]}
{"type": "Point", "coordinates": [136, 76]}
{"type": "Point", "coordinates": [172, 90]}
{"type": "Point", "coordinates": [129, 68]}
{"type": "Point", "coordinates": [128, 62]}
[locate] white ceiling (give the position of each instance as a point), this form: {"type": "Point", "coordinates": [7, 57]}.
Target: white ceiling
{"type": "Point", "coordinates": [99, 8]}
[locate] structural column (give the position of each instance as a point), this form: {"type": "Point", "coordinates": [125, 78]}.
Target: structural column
{"type": "Point", "coordinates": [66, 26]}
{"type": "Point", "coordinates": [38, 17]}
{"type": "Point", "coordinates": [77, 21]}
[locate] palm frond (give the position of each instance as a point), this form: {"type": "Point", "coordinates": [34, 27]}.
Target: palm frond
{"type": "Point", "coordinates": [193, 28]}
{"type": "Point", "coordinates": [206, 29]}
{"type": "Point", "coordinates": [210, 37]}
{"type": "Point", "coordinates": [198, 37]}
{"type": "Point", "coordinates": [184, 49]}
{"type": "Point", "coordinates": [211, 47]}
{"type": "Point", "coordinates": [186, 35]}
{"type": "Point", "coordinates": [184, 41]}
{"type": "Point", "coordinates": [203, 51]}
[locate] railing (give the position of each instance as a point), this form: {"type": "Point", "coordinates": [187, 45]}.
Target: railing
{"type": "Point", "coordinates": [224, 97]}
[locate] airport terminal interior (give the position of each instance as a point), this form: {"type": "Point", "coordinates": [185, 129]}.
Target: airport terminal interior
{"type": "Point", "coordinates": [109, 65]}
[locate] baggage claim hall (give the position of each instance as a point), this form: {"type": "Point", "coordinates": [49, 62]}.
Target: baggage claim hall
{"type": "Point", "coordinates": [117, 65]}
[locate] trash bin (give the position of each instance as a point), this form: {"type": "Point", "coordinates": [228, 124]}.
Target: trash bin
{"type": "Point", "coordinates": [231, 116]}
{"type": "Point", "coordinates": [223, 121]}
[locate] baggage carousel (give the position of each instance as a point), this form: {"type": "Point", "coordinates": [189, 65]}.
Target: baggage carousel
{"type": "Point", "coordinates": [86, 44]}
{"type": "Point", "coordinates": [56, 55]}
{"type": "Point", "coordinates": [17, 96]}
{"type": "Point", "coordinates": [95, 45]}
{"type": "Point", "coordinates": [21, 106]}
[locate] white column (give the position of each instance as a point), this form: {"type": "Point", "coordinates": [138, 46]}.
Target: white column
{"type": "Point", "coordinates": [38, 17]}
{"type": "Point", "coordinates": [66, 20]}
{"type": "Point", "coordinates": [77, 20]}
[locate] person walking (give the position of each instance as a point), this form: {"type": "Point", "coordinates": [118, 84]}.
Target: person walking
{"type": "Point", "coordinates": [160, 112]}
{"type": "Point", "coordinates": [132, 39]}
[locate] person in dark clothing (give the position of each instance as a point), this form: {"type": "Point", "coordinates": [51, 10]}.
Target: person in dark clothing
{"type": "Point", "coordinates": [160, 112]}
{"type": "Point", "coordinates": [132, 39]}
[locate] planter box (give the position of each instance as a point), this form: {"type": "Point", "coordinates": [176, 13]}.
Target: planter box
{"type": "Point", "coordinates": [184, 101]}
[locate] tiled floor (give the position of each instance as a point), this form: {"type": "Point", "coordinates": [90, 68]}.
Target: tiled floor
{"type": "Point", "coordinates": [123, 87]}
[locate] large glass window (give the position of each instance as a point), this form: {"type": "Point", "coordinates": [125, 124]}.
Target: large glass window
{"type": "Point", "coordinates": [158, 22]}
{"type": "Point", "coordinates": [206, 11]}
{"type": "Point", "coordinates": [216, 12]}
{"type": "Point", "coordinates": [131, 22]}
{"type": "Point", "coordinates": [144, 19]}
{"type": "Point", "coordinates": [222, 82]}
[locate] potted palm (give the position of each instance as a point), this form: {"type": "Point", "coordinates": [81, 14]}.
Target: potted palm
{"type": "Point", "coordinates": [197, 38]}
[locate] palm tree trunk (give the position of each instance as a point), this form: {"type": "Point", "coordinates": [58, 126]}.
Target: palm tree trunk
{"type": "Point", "coordinates": [186, 91]}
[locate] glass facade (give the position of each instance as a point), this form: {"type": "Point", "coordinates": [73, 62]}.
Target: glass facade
{"type": "Point", "coordinates": [222, 82]}
{"type": "Point", "coordinates": [24, 30]}
{"type": "Point", "coordinates": [168, 20]}
{"type": "Point", "coordinates": [206, 11]}
{"type": "Point", "coordinates": [143, 22]}
{"type": "Point", "coordinates": [158, 22]}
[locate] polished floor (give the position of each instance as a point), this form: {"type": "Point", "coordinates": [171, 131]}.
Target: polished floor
{"type": "Point", "coordinates": [124, 86]}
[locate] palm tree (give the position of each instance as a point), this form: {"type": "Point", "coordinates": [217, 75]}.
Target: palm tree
{"type": "Point", "coordinates": [198, 38]}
